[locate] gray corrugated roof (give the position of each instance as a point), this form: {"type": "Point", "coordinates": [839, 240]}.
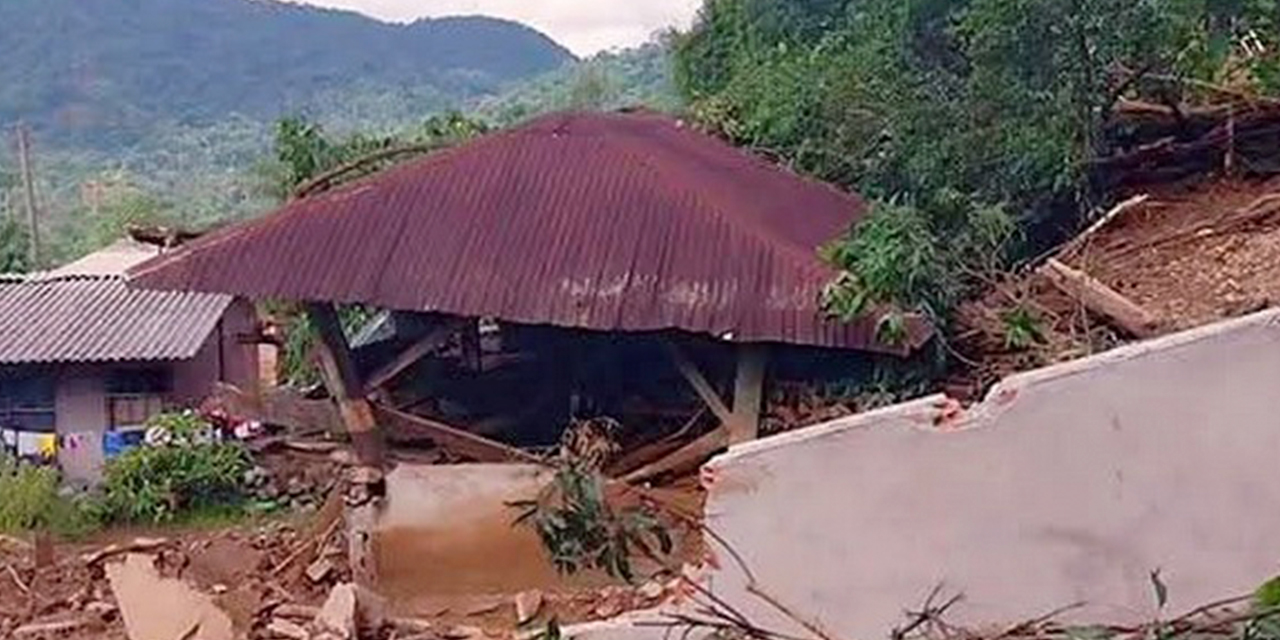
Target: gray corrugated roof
{"type": "Point", "coordinates": [99, 319]}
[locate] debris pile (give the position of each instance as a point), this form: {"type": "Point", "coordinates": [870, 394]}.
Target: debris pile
{"type": "Point", "coordinates": [1171, 258]}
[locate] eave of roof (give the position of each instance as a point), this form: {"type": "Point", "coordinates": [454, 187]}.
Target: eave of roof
{"type": "Point", "coordinates": [87, 319]}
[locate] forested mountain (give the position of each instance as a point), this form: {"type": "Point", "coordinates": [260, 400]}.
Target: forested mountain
{"type": "Point", "coordinates": [106, 72]}
{"type": "Point", "coordinates": [641, 76]}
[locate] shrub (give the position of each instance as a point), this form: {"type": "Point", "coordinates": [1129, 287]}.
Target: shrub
{"type": "Point", "coordinates": [156, 483]}
{"type": "Point", "coordinates": [32, 501]}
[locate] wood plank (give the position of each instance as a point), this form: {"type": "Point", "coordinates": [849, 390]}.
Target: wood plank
{"type": "Point", "coordinates": [699, 382]}
{"type": "Point", "coordinates": [687, 458]}
{"type": "Point", "coordinates": [748, 393]}
{"type": "Point", "coordinates": [1117, 310]}
{"type": "Point", "coordinates": [455, 439]}
{"type": "Point", "coordinates": [410, 356]}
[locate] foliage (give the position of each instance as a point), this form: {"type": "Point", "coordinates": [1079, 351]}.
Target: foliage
{"type": "Point", "coordinates": [581, 530]}
{"type": "Point", "coordinates": [32, 501]}
{"type": "Point", "coordinates": [970, 122]}
{"type": "Point", "coordinates": [156, 483]}
{"type": "Point", "coordinates": [14, 247]}
{"type": "Point", "coordinates": [1023, 328]}
{"type": "Point", "coordinates": [641, 76]}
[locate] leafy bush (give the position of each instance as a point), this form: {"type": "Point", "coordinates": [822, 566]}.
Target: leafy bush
{"type": "Point", "coordinates": [581, 530]}
{"type": "Point", "coordinates": [156, 483]}
{"type": "Point", "coordinates": [32, 501]}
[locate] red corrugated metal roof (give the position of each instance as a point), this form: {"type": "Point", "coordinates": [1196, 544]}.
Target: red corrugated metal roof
{"type": "Point", "coordinates": [100, 319]}
{"type": "Point", "coordinates": [628, 222]}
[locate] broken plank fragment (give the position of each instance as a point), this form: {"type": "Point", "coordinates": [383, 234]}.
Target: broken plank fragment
{"type": "Point", "coordinates": [1117, 310]}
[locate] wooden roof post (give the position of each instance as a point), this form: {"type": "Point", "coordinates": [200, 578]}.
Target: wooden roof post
{"type": "Point", "coordinates": [748, 393]}
{"type": "Point", "coordinates": [367, 487]}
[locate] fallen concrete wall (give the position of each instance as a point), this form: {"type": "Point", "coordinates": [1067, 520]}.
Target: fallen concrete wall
{"type": "Point", "coordinates": [1070, 484]}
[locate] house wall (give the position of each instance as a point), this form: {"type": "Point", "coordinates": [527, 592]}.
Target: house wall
{"type": "Point", "coordinates": [81, 407]}
{"type": "Point", "coordinates": [222, 358]}
{"type": "Point", "coordinates": [81, 402]}
{"type": "Point", "coordinates": [1070, 484]}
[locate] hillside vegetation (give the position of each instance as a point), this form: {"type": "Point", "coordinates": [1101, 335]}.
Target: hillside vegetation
{"type": "Point", "coordinates": [976, 125]}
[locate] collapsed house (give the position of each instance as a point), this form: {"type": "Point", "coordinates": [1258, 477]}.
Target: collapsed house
{"type": "Point", "coordinates": [581, 266]}
{"type": "Point", "coordinates": [85, 361]}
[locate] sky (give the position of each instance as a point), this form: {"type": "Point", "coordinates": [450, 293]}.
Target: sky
{"type": "Point", "coordinates": [585, 26]}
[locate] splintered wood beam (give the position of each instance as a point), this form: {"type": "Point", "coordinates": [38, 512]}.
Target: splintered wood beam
{"type": "Point", "coordinates": [367, 487]}
{"type": "Point", "coordinates": [686, 458]}
{"type": "Point", "coordinates": [409, 357]}
{"type": "Point", "coordinates": [748, 393]}
{"type": "Point", "coordinates": [454, 439]}
{"type": "Point", "coordinates": [343, 381]}
{"type": "Point", "coordinates": [699, 383]}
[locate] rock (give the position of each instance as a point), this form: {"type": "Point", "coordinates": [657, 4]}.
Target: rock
{"type": "Point", "coordinates": [338, 615]}
{"type": "Point", "coordinates": [218, 589]}
{"type": "Point", "coordinates": [608, 608]}
{"type": "Point", "coordinates": [281, 628]}
{"type": "Point", "coordinates": [652, 590]}
{"type": "Point", "coordinates": [319, 570]}
{"type": "Point", "coordinates": [528, 606]}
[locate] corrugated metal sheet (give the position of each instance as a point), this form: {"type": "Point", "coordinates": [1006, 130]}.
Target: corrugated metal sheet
{"type": "Point", "coordinates": [114, 260]}
{"type": "Point", "coordinates": [628, 222]}
{"type": "Point", "coordinates": [100, 319]}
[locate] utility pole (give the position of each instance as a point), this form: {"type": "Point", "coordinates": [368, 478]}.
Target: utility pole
{"type": "Point", "coordinates": [29, 186]}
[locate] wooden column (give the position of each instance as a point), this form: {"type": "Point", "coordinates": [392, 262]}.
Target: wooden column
{"type": "Point", "coordinates": [367, 486]}
{"type": "Point", "coordinates": [748, 393]}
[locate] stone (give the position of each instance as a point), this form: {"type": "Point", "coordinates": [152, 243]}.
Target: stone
{"type": "Point", "coordinates": [338, 615]}
{"type": "Point", "coordinates": [528, 606]}
{"type": "Point", "coordinates": [281, 628]}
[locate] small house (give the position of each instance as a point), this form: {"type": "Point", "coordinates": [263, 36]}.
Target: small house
{"type": "Point", "coordinates": [85, 360]}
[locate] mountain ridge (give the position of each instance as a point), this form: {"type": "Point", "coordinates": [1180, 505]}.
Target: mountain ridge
{"type": "Point", "coordinates": [105, 71]}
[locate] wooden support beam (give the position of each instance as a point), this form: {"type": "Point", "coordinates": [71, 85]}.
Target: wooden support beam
{"type": "Point", "coordinates": [687, 458]}
{"type": "Point", "coordinates": [409, 357]}
{"type": "Point", "coordinates": [1119, 311]}
{"type": "Point", "coordinates": [344, 385]}
{"type": "Point", "coordinates": [454, 439]}
{"type": "Point", "coordinates": [748, 393]}
{"type": "Point", "coordinates": [699, 382]}
{"type": "Point", "coordinates": [367, 485]}
{"type": "Point", "coordinates": [471, 351]}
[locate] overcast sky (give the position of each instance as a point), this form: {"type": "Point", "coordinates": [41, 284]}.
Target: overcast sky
{"type": "Point", "coordinates": [585, 26]}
